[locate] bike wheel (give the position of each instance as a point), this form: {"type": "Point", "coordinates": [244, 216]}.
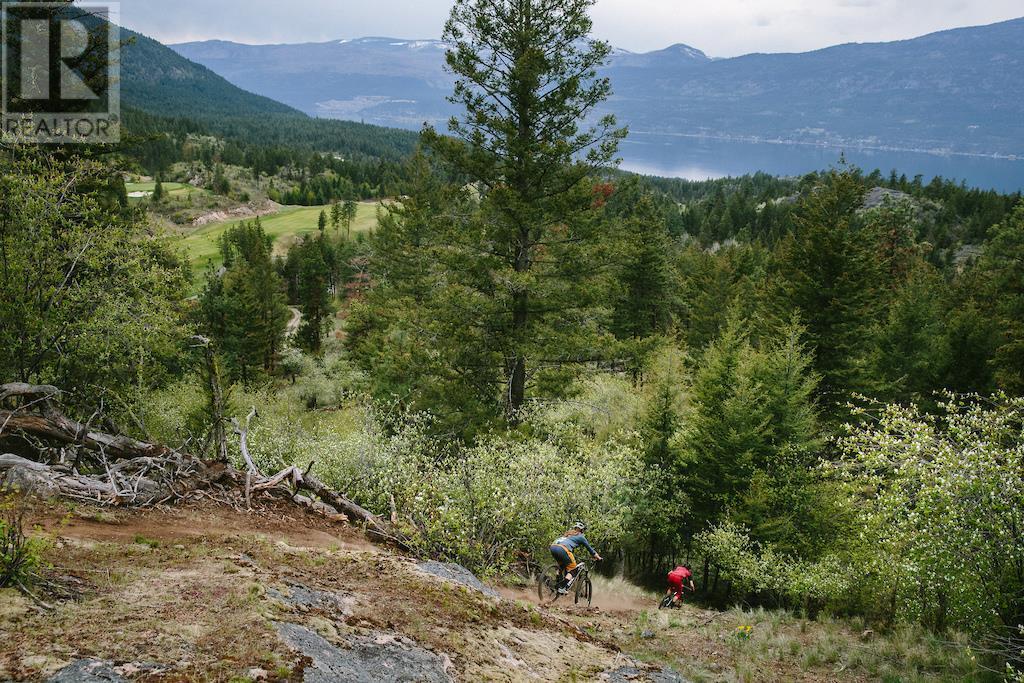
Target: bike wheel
{"type": "Point", "coordinates": [547, 583]}
{"type": "Point", "coordinates": [666, 602]}
{"type": "Point", "coordinates": [584, 590]}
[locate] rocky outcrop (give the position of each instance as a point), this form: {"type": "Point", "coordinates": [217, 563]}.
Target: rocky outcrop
{"type": "Point", "coordinates": [379, 658]}
{"type": "Point", "coordinates": [456, 573]}
{"type": "Point", "coordinates": [632, 674]}
{"type": "Point", "coordinates": [87, 671]}
{"type": "Point", "coordinates": [878, 196]}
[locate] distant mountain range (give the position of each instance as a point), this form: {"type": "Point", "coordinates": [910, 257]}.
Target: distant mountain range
{"type": "Point", "coordinates": [959, 90]}
{"type": "Point", "coordinates": [160, 83]}
{"type": "Point", "coordinates": [158, 80]}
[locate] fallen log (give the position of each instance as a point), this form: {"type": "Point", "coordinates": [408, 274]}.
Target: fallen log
{"type": "Point", "coordinates": [256, 480]}
{"type": "Point", "coordinates": [128, 486]}
{"type": "Point", "coordinates": [139, 473]}
{"type": "Point", "coordinates": [374, 525]}
{"type": "Point", "coordinates": [30, 391]}
{"type": "Point", "coordinates": [69, 432]}
{"type": "Point", "coordinates": [40, 417]}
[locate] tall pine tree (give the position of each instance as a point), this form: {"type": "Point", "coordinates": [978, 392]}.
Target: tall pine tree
{"type": "Point", "coordinates": [526, 76]}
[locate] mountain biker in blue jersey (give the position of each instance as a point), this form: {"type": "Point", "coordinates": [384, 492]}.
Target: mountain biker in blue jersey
{"type": "Point", "coordinates": [562, 550]}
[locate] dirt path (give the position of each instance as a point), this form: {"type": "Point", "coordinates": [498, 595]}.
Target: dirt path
{"type": "Point", "coordinates": [210, 592]}
{"type": "Point", "coordinates": [293, 325]}
{"type": "Point", "coordinates": [275, 522]}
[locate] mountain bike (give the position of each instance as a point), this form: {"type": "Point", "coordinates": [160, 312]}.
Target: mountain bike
{"type": "Point", "coordinates": [668, 602]}
{"type": "Point", "coordinates": [582, 587]}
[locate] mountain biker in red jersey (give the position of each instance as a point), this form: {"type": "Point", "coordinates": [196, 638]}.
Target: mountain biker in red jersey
{"type": "Point", "coordinates": [679, 578]}
{"type": "Point", "coordinates": [562, 550]}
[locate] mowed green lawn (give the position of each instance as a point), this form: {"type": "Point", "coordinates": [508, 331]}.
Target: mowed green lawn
{"type": "Point", "coordinates": [176, 190]}
{"type": "Point", "coordinates": [285, 227]}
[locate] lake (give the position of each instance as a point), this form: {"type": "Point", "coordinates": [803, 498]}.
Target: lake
{"type": "Point", "coordinates": [703, 158]}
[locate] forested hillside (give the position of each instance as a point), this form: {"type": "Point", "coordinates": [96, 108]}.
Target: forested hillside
{"type": "Point", "coordinates": [175, 108]}
{"type": "Point", "coordinates": [809, 389]}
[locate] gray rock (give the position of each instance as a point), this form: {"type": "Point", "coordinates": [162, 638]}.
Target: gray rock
{"type": "Point", "coordinates": [456, 573]}
{"type": "Point", "coordinates": [968, 253]}
{"type": "Point", "coordinates": [304, 597]}
{"type": "Point", "coordinates": [877, 196]}
{"type": "Point", "coordinates": [377, 659]}
{"type": "Point", "coordinates": [631, 674]}
{"type": "Point", "coordinates": [647, 635]}
{"type": "Point", "coordinates": [87, 671]}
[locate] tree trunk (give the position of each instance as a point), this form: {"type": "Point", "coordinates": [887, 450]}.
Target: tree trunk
{"type": "Point", "coordinates": [520, 325]}
{"type": "Point", "coordinates": [216, 396]}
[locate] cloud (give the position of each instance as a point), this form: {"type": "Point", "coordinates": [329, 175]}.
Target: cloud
{"type": "Point", "coordinates": [722, 28]}
{"type": "Point", "coordinates": [727, 28]}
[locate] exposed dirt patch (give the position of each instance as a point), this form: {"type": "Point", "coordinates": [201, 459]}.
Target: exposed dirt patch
{"type": "Point", "coordinates": [185, 606]}
{"type": "Point", "coordinates": [272, 519]}
{"type": "Point", "coordinates": [250, 210]}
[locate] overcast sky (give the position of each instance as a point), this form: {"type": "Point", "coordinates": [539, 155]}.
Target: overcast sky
{"type": "Point", "coordinates": [722, 28]}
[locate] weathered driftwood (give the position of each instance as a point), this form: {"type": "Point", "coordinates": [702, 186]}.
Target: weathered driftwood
{"type": "Point", "coordinates": [256, 481]}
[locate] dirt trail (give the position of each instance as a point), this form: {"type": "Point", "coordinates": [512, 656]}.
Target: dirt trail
{"type": "Point", "coordinates": [274, 522]}
{"type": "Point", "coordinates": [214, 593]}
{"type": "Point", "coordinates": [611, 596]}
{"type": "Point", "coordinates": [293, 324]}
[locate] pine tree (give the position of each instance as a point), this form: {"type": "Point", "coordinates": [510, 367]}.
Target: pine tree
{"type": "Point", "coordinates": [526, 76]}
{"type": "Point", "coordinates": [646, 275]}
{"type": "Point", "coordinates": [725, 417]}
{"type": "Point", "coordinates": [244, 309]}
{"type": "Point", "coordinates": [910, 349]}
{"type": "Point", "coordinates": [827, 274]}
{"type": "Point", "coordinates": [349, 212]}
{"type": "Point", "coordinates": [220, 184]}
{"type": "Point", "coordinates": [321, 222]}
{"type": "Point", "coordinates": [314, 292]}
{"type": "Point", "coordinates": [752, 433]}
{"type": "Point", "coordinates": [417, 335]}
{"type": "Point", "coordinates": [663, 513]}
{"type": "Point", "coordinates": [335, 214]}
{"type": "Point", "coordinates": [1004, 261]}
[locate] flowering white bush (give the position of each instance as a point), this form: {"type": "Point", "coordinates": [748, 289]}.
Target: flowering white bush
{"type": "Point", "coordinates": [760, 570]}
{"type": "Point", "coordinates": [940, 505]}
{"type": "Point", "coordinates": [486, 506]}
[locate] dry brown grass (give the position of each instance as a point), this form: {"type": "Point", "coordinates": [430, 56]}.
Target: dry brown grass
{"type": "Point", "coordinates": [172, 605]}
{"type": "Point", "coordinates": [713, 646]}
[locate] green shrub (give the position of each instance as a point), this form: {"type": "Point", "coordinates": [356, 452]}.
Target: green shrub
{"type": "Point", "coordinates": [486, 506]}
{"type": "Point", "coordinates": [20, 554]}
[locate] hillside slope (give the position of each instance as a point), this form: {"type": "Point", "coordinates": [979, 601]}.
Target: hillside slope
{"type": "Point", "coordinates": [158, 80]}
{"type": "Point", "coordinates": [210, 592]}
{"type": "Point", "coordinates": [166, 86]}
{"type": "Point", "coordinates": [953, 90]}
